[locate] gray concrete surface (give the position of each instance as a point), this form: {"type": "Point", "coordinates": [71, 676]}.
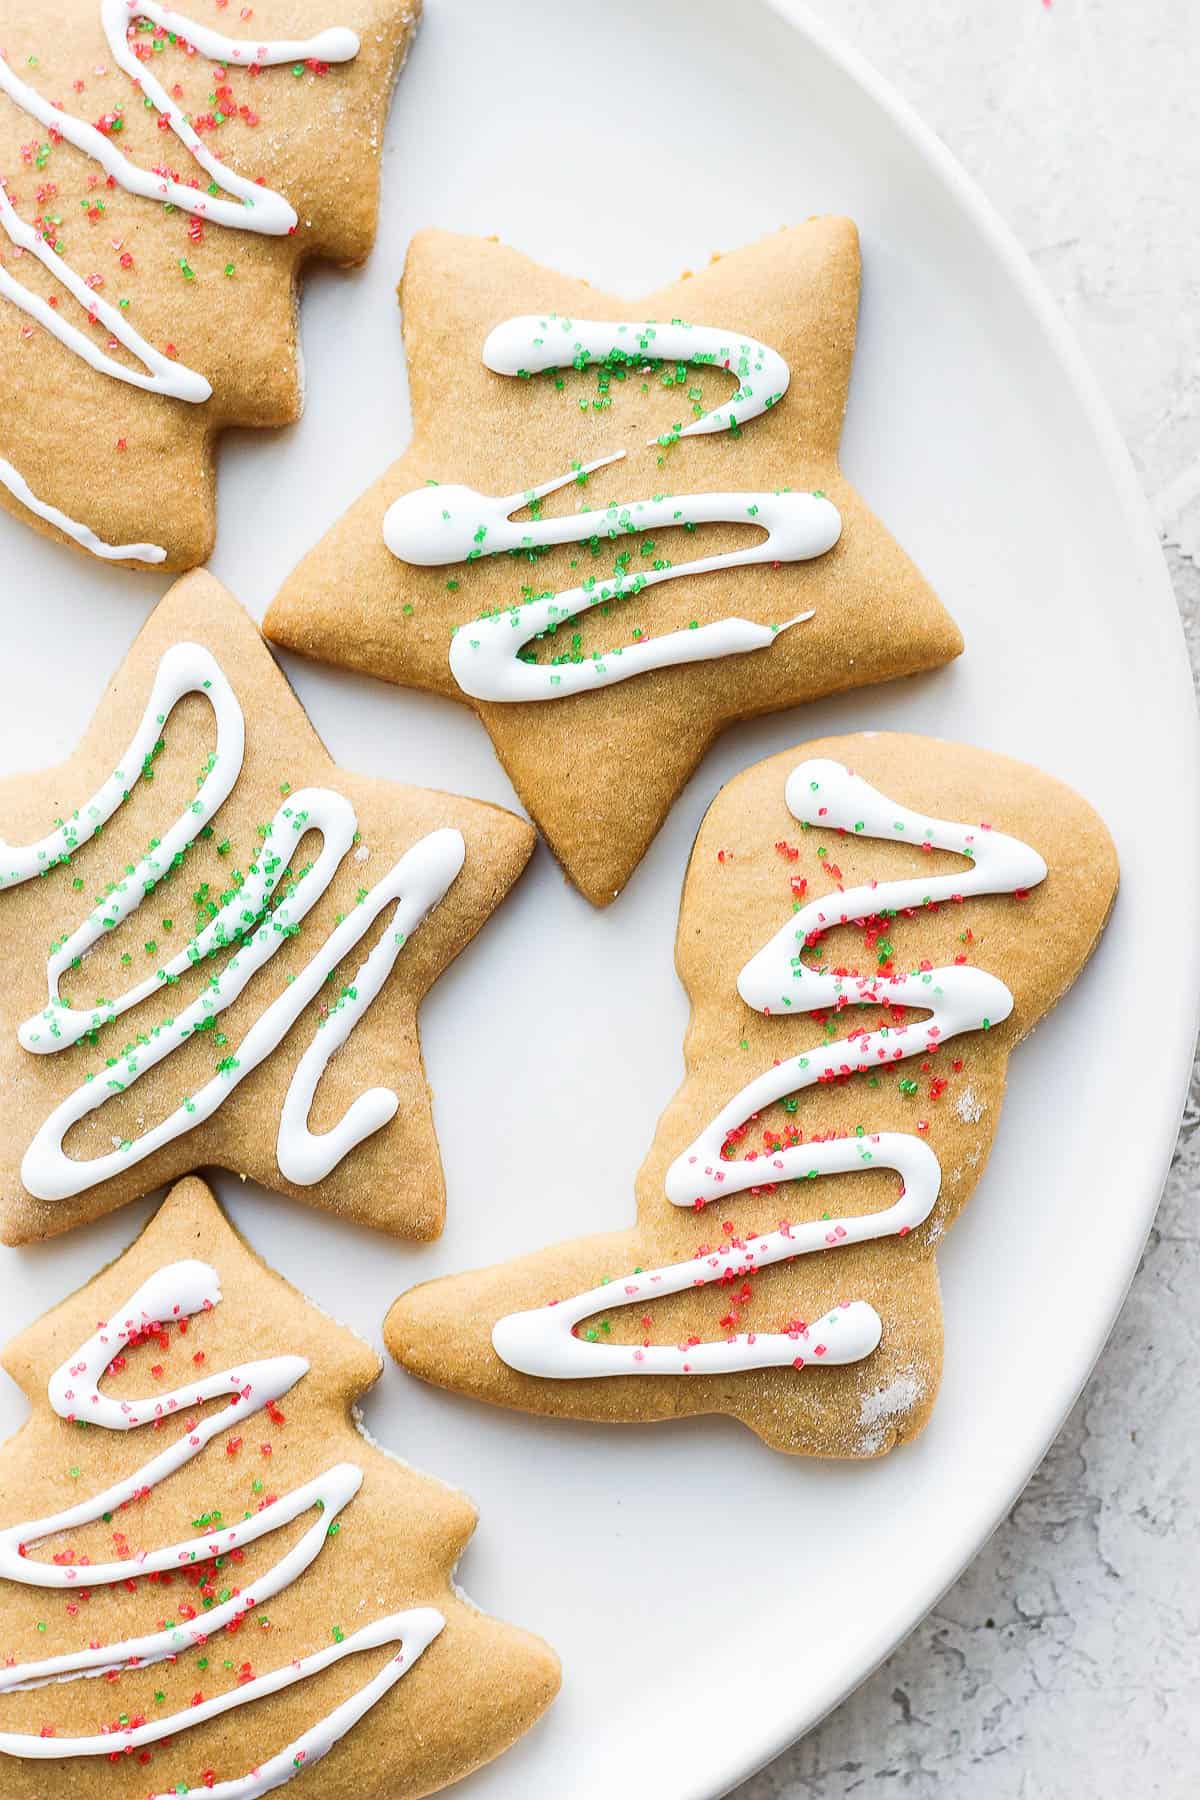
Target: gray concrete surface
{"type": "Point", "coordinates": [1065, 1665]}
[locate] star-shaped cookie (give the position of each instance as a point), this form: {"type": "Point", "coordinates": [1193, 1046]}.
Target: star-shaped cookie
{"type": "Point", "coordinates": [163, 180]}
{"type": "Point", "coordinates": [870, 925]}
{"type": "Point", "coordinates": [217, 941]}
{"type": "Point", "coordinates": [697, 426]}
{"type": "Point", "coordinates": [210, 1579]}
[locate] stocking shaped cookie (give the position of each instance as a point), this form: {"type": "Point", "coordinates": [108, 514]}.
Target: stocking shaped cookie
{"type": "Point", "coordinates": [216, 942]}
{"type": "Point", "coordinates": [209, 1578]}
{"type": "Point", "coordinates": [163, 179]}
{"type": "Point", "coordinates": [869, 927]}
{"type": "Point", "coordinates": [620, 526]}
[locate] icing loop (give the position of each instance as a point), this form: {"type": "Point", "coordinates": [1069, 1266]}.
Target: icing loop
{"type": "Point", "coordinates": [438, 525]}
{"type": "Point", "coordinates": [255, 919]}
{"type": "Point", "coordinates": [176, 1292]}
{"type": "Point", "coordinates": [184, 669]}
{"type": "Point", "coordinates": [161, 376]}
{"type": "Point", "coordinates": [417, 882]}
{"type": "Point", "coordinates": [531, 345]}
{"type": "Point", "coordinates": [543, 1342]}
{"type": "Point", "coordinates": [822, 792]}
{"type": "Point", "coordinates": [956, 999]}
{"type": "Point", "coordinates": [252, 207]}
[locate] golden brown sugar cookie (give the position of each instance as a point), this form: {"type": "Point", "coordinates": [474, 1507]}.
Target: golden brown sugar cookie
{"type": "Point", "coordinates": [217, 942]}
{"type": "Point", "coordinates": [860, 966]}
{"type": "Point", "coordinates": [212, 1580]}
{"type": "Point", "coordinates": [613, 537]}
{"type": "Point", "coordinates": [163, 180]}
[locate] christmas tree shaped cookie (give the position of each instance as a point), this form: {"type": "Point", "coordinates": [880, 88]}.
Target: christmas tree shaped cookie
{"type": "Point", "coordinates": [620, 526]}
{"type": "Point", "coordinates": [209, 1579]}
{"type": "Point", "coordinates": [217, 942]}
{"type": "Point", "coordinates": [870, 925]}
{"type": "Point", "coordinates": [163, 180]}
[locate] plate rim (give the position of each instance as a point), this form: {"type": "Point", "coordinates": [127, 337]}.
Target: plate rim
{"type": "Point", "coordinates": [788, 1727]}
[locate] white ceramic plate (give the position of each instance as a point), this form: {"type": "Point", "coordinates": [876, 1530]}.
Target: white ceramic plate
{"type": "Point", "coordinates": [711, 1600]}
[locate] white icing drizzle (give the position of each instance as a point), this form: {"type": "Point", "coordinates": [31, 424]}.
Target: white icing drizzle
{"type": "Point", "coordinates": [437, 525]}
{"type": "Point", "coordinates": [957, 998]}
{"type": "Point", "coordinates": [417, 882]}
{"type": "Point", "coordinates": [184, 669]}
{"type": "Point", "coordinates": [823, 793]}
{"type": "Point", "coordinates": [161, 376]}
{"type": "Point", "coordinates": [530, 345]}
{"type": "Point", "coordinates": [253, 208]}
{"type": "Point", "coordinates": [180, 1291]}
{"type": "Point", "coordinates": [83, 535]}
{"type": "Point", "coordinates": [415, 1630]}
{"type": "Point", "coordinates": [251, 922]}
{"type": "Point", "coordinates": [542, 1342]}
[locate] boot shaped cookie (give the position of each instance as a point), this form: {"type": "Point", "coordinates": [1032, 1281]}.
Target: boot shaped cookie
{"type": "Point", "coordinates": [860, 965]}
{"type": "Point", "coordinates": [209, 1579]}
{"type": "Point", "coordinates": [620, 526]}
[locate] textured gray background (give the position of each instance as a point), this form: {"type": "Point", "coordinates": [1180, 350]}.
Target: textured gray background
{"type": "Point", "coordinates": [1066, 1662]}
